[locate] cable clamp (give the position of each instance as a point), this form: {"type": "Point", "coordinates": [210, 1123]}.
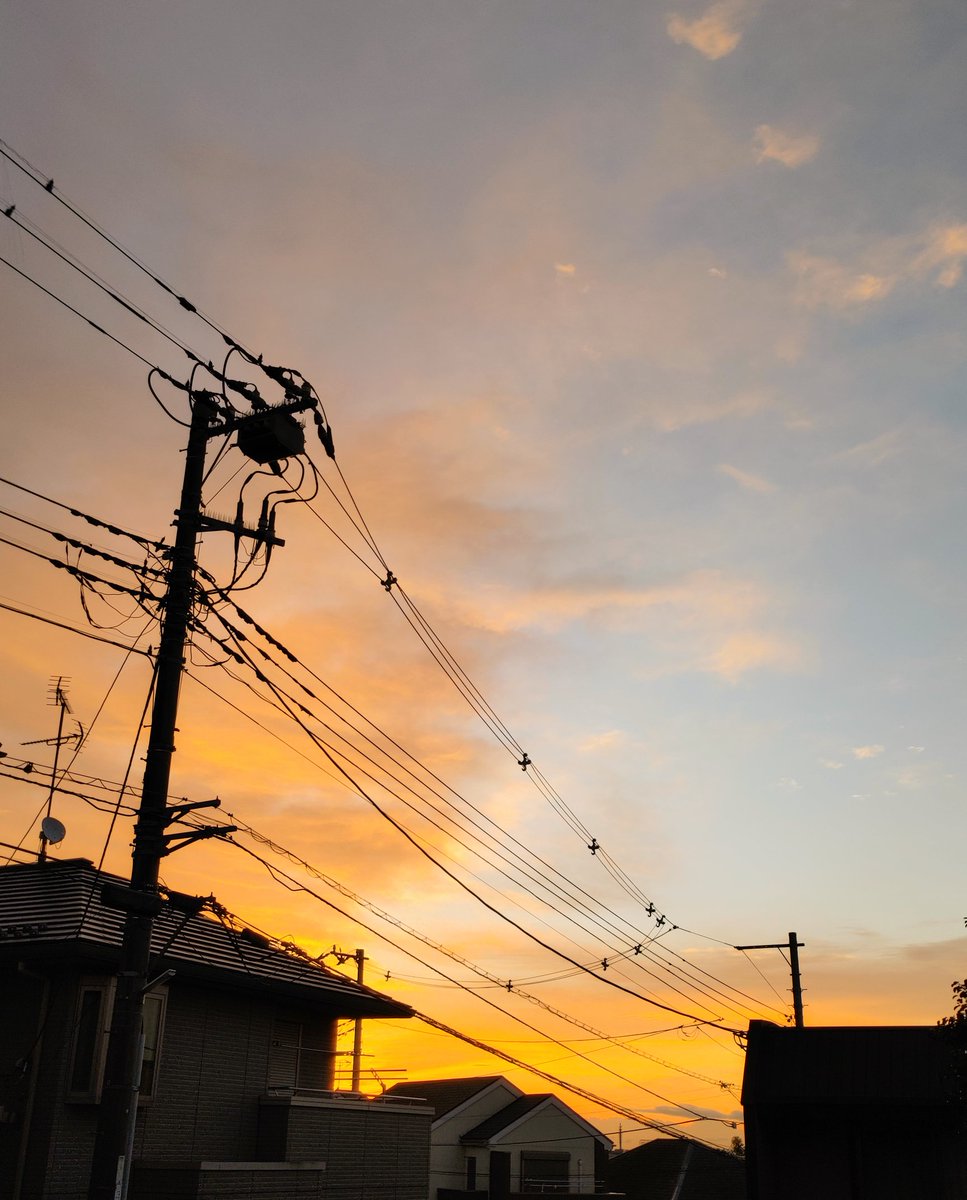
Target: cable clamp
{"type": "Point", "coordinates": [389, 581]}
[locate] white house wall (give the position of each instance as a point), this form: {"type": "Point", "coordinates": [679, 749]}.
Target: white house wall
{"type": "Point", "coordinates": [448, 1158]}
{"type": "Point", "coordinates": [549, 1129]}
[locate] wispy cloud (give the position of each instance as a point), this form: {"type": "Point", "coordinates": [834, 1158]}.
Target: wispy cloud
{"type": "Point", "coordinates": [603, 741]}
{"type": "Point", "coordinates": [825, 283]}
{"type": "Point", "coordinates": [748, 651]}
{"type": "Point", "coordinates": [875, 452]}
{"type": "Point", "coordinates": [943, 255]}
{"type": "Point", "coordinates": [706, 409]}
{"type": "Point", "coordinates": [751, 483]}
{"type": "Point", "coordinates": [868, 751]}
{"type": "Point", "coordinates": [935, 256]}
{"type": "Point", "coordinates": [715, 33]}
{"type": "Point", "coordinates": [790, 150]}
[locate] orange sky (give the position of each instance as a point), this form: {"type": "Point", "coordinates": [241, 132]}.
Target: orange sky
{"type": "Point", "coordinates": [640, 333]}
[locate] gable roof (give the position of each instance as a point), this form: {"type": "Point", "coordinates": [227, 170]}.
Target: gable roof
{"type": "Point", "coordinates": [53, 911]}
{"type": "Point", "coordinates": [504, 1120]}
{"type": "Point", "coordinates": [446, 1095]}
{"type": "Point", "coordinates": [655, 1169]}
{"type": "Point", "coordinates": [856, 1065]}
{"type": "Point", "coordinates": [509, 1115]}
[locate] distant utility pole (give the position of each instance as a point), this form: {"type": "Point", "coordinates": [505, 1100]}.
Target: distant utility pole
{"type": "Point", "coordinates": [341, 957]}
{"type": "Point", "coordinates": [141, 901]}
{"type": "Point", "coordinates": [793, 946]}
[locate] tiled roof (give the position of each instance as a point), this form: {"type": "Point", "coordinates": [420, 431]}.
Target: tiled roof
{"type": "Point", "coordinates": [866, 1065]}
{"type": "Point", "coordinates": [54, 910]}
{"type": "Point", "coordinates": [443, 1095]}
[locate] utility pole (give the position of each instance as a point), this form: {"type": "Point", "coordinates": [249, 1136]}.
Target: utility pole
{"type": "Point", "coordinates": [268, 429]}
{"type": "Point", "coordinates": [119, 1094]}
{"type": "Point", "coordinates": [793, 946]}
{"type": "Point", "coordinates": [358, 1026]}
{"type": "Point", "coordinates": [359, 957]}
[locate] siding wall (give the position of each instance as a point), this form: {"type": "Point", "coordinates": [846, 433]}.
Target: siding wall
{"type": "Point", "coordinates": [211, 1079]}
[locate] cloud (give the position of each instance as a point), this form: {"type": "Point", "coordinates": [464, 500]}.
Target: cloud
{"type": "Point", "coordinates": [701, 410]}
{"type": "Point", "coordinates": [785, 148]}
{"type": "Point", "coordinates": [704, 621]}
{"type": "Point", "coordinates": [874, 452]}
{"type": "Point", "coordinates": [867, 751]}
{"type": "Point", "coordinates": [935, 255]}
{"type": "Point", "coordinates": [825, 283]}
{"type": "Point", "coordinates": [751, 483]}
{"type": "Point", "coordinates": [565, 270]}
{"type": "Point", "coordinates": [943, 254]}
{"type": "Point", "coordinates": [748, 651]}
{"type": "Point", "coordinates": [831, 764]}
{"type": "Point", "coordinates": [603, 741]}
{"type": "Point", "coordinates": [714, 34]}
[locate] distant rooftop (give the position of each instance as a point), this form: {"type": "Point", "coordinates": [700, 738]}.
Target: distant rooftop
{"type": "Point", "coordinates": [444, 1095]}
{"type": "Point", "coordinates": [53, 911]}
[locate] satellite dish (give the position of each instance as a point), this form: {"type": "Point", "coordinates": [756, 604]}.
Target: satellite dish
{"type": "Point", "coordinates": [52, 830]}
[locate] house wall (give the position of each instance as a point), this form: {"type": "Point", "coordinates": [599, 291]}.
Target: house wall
{"type": "Point", "coordinates": [549, 1128]}
{"type": "Point", "coordinates": [211, 1078]}
{"type": "Point", "coordinates": [447, 1157]}
{"type": "Point", "coordinates": [53, 1140]}
{"type": "Point", "coordinates": [212, 1069]}
{"type": "Point", "coordinates": [552, 1129]}
{"type": "Point", "coordinates": [843, 1154]}
{"type": "Point", "coordinates": [370, 1142]}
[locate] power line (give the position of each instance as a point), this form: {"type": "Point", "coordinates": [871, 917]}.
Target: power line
{"type": "Point", "coordinates": [638, 948]}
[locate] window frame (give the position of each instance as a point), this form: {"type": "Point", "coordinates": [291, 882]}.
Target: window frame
{"type": "Point", "coordinates": [93, 1043]}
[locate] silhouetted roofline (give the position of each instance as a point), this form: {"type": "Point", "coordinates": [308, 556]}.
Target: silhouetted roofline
{"type": "Point", "coordinates": [52, 911]}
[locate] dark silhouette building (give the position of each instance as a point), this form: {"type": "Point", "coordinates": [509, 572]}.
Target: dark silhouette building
{"type": "Point", "coordinates": [237, 1094]}
{"type": "Point", "coordinates": [854, 1113]}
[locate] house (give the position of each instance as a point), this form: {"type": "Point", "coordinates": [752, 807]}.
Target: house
{"type": "Point", "coordinates": [854, 1113]}
{"type": "Point", "coordinates": [237, 1093]}
{"type": "Point", "coordinates": [487, 1136]}
{"type": "Point", "coordinates": [677, 1169]}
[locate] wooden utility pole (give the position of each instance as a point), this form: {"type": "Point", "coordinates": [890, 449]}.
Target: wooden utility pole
{"type": "Point", "coordinates": [793, 946]}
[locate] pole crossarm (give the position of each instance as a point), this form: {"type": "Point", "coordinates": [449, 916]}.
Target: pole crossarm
{"type": "Point", "coordinates": [793, 946]}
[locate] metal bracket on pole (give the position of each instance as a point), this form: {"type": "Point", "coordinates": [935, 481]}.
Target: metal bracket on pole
{"type": "Point", "coordinates": [195, 835]}
{"type": "Point", "coordinates": [177, 811]}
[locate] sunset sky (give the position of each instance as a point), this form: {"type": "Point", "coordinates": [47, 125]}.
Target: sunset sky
{"type": "Point", "coordinates": [640, 331]}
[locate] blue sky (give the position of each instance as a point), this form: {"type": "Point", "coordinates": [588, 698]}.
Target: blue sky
{"type": "Point", "coordinates": [640, 330]}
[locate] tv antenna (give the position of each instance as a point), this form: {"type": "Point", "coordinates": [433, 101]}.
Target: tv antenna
{"type": "Point", "coordinates": [52, 831]}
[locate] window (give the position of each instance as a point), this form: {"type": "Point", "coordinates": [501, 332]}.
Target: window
{"type": "Point", "coordinates": [471, 1174]}
{"type": "Point", "coordinates": [90, 1042]}
{"type": "Point", "coordinates": [92, 1027]}
{"type": "Point", "coordinates": [301, 1056]}
{"type": "Point", "coordinates": [152, 1023]}
{"type": "Point", "coordinates": [544, 1171]}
